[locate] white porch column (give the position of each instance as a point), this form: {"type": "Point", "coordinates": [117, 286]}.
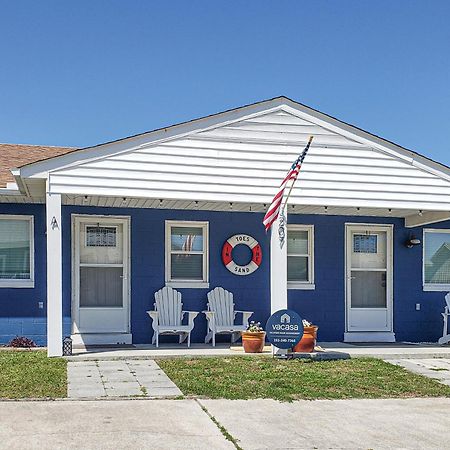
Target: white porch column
{"type": "Point", "coordinates": [54, 274]}
{"type": "Point", "coordinates": [278, 269]}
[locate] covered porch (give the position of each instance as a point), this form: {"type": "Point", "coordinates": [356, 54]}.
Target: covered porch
{"type": "Point", "coordinates": [327, 302]}
{"type": "Point", "coordinates": [347, 265]}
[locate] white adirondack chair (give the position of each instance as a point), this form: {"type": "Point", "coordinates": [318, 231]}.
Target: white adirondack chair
{"type": "Point", "coordinates": [221, 316]}
{"type": "Point", "coordinates": [445, 339]}
{"type": "Point", "coordinates": [168, 316]}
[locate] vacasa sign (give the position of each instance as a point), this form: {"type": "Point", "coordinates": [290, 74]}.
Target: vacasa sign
{"type": "Point", "coordinates": [284, 329]}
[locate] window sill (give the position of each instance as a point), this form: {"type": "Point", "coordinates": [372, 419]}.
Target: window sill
{"type": "Point", "coordinates": [436, 288]}
{"type": "Point", "coordinates": [302, 286]}
{"type": "Point", "coordinates": [16, 284]}
{"type": "Point", "coordinates": [188, 284]}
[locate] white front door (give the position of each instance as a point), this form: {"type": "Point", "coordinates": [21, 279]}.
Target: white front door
{"type": "Point", "coordinates": [101, 312]}
{"type": "Point", "coordinates": [369, 283]}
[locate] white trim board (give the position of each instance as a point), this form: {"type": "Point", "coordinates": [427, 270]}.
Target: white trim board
{"type": "Point", "coordinates": [101, 338]}
{"type": "Point", "coordinates": [369, 336]}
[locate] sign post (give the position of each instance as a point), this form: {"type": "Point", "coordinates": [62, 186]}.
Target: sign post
{"type": "Point", "coordinates": [284, 329]}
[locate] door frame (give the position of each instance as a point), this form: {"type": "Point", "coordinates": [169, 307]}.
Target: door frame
{"type": "Point", "coordinates": [100, 338]}
{"type": "Point", "coordinates": [370, 336]}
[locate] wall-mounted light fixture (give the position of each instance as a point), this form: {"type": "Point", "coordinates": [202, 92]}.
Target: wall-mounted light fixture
{"type": "Point", "coordinates": [412, 241]}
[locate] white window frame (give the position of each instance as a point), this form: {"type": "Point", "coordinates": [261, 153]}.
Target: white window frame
{"type": "Point", "coordinates": [14, 283]}
{"type": "Point", "coordinates": [432, 286]}
{"type": "Point", "coordinates": [307, 285]}
{"type": "Point", "coordinates": [168, 251]}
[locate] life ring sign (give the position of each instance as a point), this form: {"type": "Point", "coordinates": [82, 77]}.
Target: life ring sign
{"type": "Point", "coordinates": [227, 251]}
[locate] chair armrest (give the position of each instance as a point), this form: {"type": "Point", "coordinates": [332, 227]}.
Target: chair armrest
{"type": "Point", "coordinates": [245, 316]}
{"type": "Point", "coordinates": [153, 314]}
{"type": "Point", "coordinates": [155, 319]}
{"type": "Point", "coordinates": [191, 316]}
{"type": "Point", "coordinates": [209, 315]}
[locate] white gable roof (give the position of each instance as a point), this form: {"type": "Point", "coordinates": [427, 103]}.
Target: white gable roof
{"type": "Point", "coordinates": [243, 154]}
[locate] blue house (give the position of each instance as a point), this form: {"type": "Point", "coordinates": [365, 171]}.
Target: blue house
{"type": "Point", "coordinates": [88, 235]}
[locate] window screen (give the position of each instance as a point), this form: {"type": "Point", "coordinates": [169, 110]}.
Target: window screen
{"type": "Point", "coordinates": [299, 259]}
{"type": "Point", "coordinates": [187, 253]}
{"type": "Point", "coordinates": [437, 258]}
{"type": "Point", "coordinates": [15, 249]}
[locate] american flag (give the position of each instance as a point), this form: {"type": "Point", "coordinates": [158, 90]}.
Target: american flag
{"type": "Point", "coordinates": [274, 208]}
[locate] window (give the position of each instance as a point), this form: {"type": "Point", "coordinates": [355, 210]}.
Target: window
{"type": "Point", "coordinates": [100, 236]}
{"type": "Point", "coordinates": [16, 251]}
{"type": "Point", "coordinates": [187, 254]}
{"type": "Point", "coordinates": [365, 243]}
{"type": "Point", "coordinates": [300, 254]}
{"type": "Point", "coordinates": [436, 260]}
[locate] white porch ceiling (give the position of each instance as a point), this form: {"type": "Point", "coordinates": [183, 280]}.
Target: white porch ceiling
{"type": "Point", "coordinates": [130, 202]}
{"type": "Point", "coordinates": [412, 217]}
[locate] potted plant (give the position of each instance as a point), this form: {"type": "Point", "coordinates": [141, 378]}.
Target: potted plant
{"type": "Point", "coordinates": [253, 338]}
{"type": "Point", "coordinates": [308, 341]}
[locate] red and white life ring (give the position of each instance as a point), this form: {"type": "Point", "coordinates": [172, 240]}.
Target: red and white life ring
{"type": "Point", "coordinates": [250, 242]}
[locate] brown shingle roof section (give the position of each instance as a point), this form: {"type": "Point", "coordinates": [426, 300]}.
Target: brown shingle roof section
{"type": "Point", "coordinates": [17, 155]}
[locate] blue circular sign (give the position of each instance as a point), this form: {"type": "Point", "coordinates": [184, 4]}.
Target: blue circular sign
{"type": "Point", "coordinates": [284, 329]}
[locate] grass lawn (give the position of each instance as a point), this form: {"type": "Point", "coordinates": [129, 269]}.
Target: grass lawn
{"type": "Point", "coordinates": [264, 377]}
{"type": "Point", "coordinates": [31, 374]}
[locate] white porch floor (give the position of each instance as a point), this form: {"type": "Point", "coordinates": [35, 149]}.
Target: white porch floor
{"type": "Point", "coordinates": [385, 351]}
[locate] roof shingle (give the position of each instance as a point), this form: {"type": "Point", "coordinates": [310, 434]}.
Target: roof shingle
{"type": "Point", "coordinates": [17, 155]}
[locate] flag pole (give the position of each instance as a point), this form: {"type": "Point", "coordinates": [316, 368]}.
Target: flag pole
{"type": "Point", "coordinates": [294, 180]}
{"type": "Point", "coordinates": [282, 217]}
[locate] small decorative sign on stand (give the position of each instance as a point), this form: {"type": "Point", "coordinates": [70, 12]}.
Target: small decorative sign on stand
{"type": "Point", "coordinates": [284, 329]}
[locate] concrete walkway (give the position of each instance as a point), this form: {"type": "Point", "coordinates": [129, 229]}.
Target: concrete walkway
{"type": "Point", "coordinates": [120, 424]}
{"type": "Point", "coordinates": [337, 424]}
{"type": "Point", "coordinates": [439, 369]}
{"type": "Point", "coordinates": [123, 378]}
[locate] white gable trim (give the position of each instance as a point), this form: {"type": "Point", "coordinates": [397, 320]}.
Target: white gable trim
{"type": "Point", "coordinates": [126, 145]}
{"type": "Point", "coordinates": [363, 137]}
{"type": "Point", "coordinates": [41, 169]}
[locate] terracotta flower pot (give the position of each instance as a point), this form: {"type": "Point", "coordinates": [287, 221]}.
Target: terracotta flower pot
{"type": "Point", "coordinates": [253, 342]}
{"type": "Point", "coordinates": [308, 341]}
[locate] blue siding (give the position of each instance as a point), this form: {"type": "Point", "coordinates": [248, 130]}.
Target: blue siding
{"type": "Point", "coordinates": [19, 310]}
{"type": "Point", "coordinates": [20, 315]}
{"type": "Point", "coordinates": [147, 264]}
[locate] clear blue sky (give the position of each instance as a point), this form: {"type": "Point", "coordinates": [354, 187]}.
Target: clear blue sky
{"type": "Point", "coordinates": [83, 72]}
